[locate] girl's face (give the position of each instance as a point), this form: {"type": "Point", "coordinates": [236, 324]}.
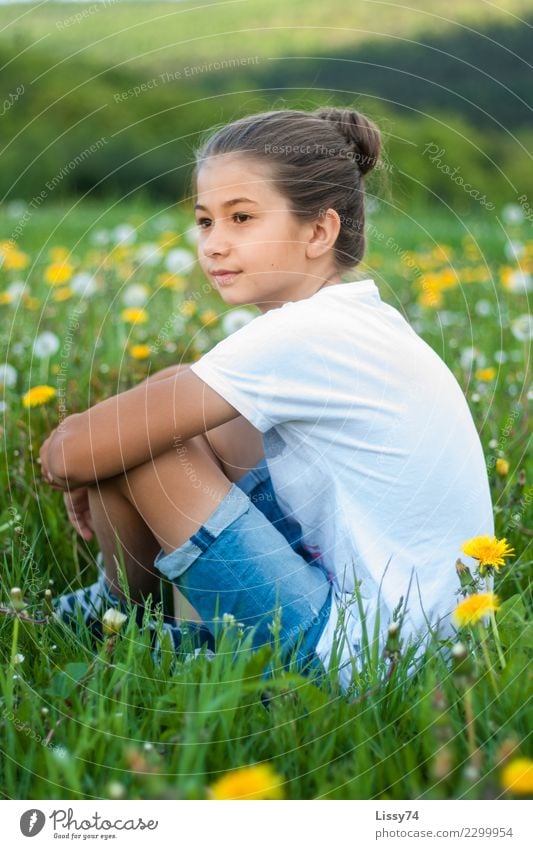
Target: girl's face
{"type": "Point", "coordinates": [252, 248]}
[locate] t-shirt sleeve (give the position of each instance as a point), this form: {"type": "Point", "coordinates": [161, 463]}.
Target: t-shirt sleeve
{"type": "Point", "coordinates": [269, 370]}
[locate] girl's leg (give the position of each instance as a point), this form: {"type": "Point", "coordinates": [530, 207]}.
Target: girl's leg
{"type": "Point", "coordinates": [158, 504]}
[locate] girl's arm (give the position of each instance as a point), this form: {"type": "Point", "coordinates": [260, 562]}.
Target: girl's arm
{"type": "Point", "coordinates": [169, 371]}
{"type": "Point", "coordinates": [133, 427]}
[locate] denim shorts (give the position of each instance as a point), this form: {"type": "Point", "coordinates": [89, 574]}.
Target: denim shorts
{"type": "Point", "coordinates": [247, 560]}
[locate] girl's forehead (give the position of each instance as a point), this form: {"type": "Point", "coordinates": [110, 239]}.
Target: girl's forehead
{"type": "Point", "coordinates": [237, 175]}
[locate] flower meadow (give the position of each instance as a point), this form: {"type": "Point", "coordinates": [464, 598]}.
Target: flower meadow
{"type": "Point", "coordinates": [96, 298]}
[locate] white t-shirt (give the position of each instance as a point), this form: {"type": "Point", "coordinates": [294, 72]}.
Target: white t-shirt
{"type": "Point", "coordinates": [371, 447]}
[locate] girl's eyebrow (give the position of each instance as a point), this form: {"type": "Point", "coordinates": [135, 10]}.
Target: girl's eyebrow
{"type": "Point", "coordinates": [229, 203]}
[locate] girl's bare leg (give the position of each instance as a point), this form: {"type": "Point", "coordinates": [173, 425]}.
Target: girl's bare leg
{"type": "Point", "coordinates": [158, 504]}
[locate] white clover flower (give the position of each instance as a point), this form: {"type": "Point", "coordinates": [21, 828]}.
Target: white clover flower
{"type": "Point", "coordinates": [16, 289]}
{"type": "Point", "coordinates": [8, 375]}
{"type": "Point", "coordinates": [83, 284]}
{"type": "Point", "coordinates": [522, 327]}
{"type": "Point", "coordinates": [514, 250]}
{"type": "Point", "coordinates": [179, 324]}
{"type": "Point", "coordinates": [236, 319]}
{"type": "Point", "coordinates": [149, 254]}
{"type": "Point", "coordinates": [100, 237]}
{"type": "Point", "coordinates": [192, 235]}
{"type": "Point", "coordinates": [520, 282]}
{"type": "Point", "coordinates": [500, 356]}
{"type": "Point", "coordinates": [202, 341]}
{"type": "Point", "coordinates": [135, 295]}
{"type": "Point", "coordinates": [19, 658]}
{"type": "Point", "coordinates": [483, 307]}
{"type": "Point", "coordinates": [179, 260]}
{"type": "Point", "coordinates": [124, 234]}
{"type": "Point", "coordinates": [113, 621]}
{"type": "Point", "coordinates": [45, 345]}
{"type": "Point", "coordinates": [16, 208]}
{"type": "Point", "coordinates": [512, 213]}
{"type": "Point", "coordinates": [163, 222]}
{"type": "Point", "coordinates": [469, 355]}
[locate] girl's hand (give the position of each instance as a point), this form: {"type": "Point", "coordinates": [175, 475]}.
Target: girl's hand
{"type": "Point", "coordinates": [79, 512]}
{"type": "Point", "coordinates": [43, 456]}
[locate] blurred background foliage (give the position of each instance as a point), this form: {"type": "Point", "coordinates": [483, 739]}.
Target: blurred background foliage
{"type": "Point", "coordinates": [452, 74]}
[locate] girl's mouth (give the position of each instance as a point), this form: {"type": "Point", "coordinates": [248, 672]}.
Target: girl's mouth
{"type": "Point", "coordinates": [225, 278]}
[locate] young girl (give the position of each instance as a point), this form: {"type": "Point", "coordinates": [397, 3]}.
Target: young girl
{"type": "Point", "coordinates": [322, 447]}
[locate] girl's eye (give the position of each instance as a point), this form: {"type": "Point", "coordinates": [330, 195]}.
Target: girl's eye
{"type": "Point", "coordinates": [206, 221]}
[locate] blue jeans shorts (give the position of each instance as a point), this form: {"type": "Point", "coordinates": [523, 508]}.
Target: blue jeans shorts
{"type": "Point", "coordinates": [247, 560]}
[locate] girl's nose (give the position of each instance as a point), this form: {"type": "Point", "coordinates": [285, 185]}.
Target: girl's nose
{"type": "Point", "coordinates": [215, 242]}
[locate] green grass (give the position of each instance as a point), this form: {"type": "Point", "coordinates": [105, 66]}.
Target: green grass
{"type": "Point", "coordinates": [75, 722]}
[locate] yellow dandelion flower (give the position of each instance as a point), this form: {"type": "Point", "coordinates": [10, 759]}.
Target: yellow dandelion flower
{"type": "Point", "coordinates": [208, 317]}
{"type": "Point", "coordinates": [448, 279]}
{"type": "Point", "coordinates": [168, 239]}
{"type": "Point", "coordinates": [63, 293]}
{"type": "Point", "coordinates": [171, 281]}
{"type": "Point", "coordinates": [15, 260]}
{"type": "Point", "coordinates": [485, 374]}
{"type": "Point", "coordinates": [502, 467]}
{"type": "Point", "coordinates": [474, 608]}
{"type": "Point", "coordinates": [488, 550]}
{"type": "Point", "coordinates": [140, 352]}
{"type": "Point", "coordinates": [58, 273]}
{"type": "Point", "coordinates": [188, 308]}
{"type": "Point", "coordinates": [431, 296]}
{"type": "Point", "coordinates": [6, 298]}
{"type": "Point", "coordinates": [517, 776]}
{"type": "Point", "coordinates": [120, 253]}
{"type": "Point", "coordinates": [134, 315]}
{"type": "Point", "coordinates": [38, 395]}
{"type": "Point", "coordinates": [58, 254]}
{"type": "Point", "coordinates": [31, 302]}
{"type": "Point", "coordinates": [250, 782]}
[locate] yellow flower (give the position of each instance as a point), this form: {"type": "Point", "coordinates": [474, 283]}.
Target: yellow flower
{"type": "Point", "coordinates": [134, 315]}
{"type": "Point", "coordinates": [485, 373]}
{"type": "Point", "coordinates": [14, 260]}
{"type": "Point", "coordinates": [474, 607]}
{"type": "Point", "coordinates": [140, 352]}
{"type": "Point", "coordinates": [208, 317]}
{"type": "Point", "coordinates": [188, 308]}
{"type": "Point", "coordinates": [6, 298]}
{"type": "Point", "coordinates": [171, 281]}
{"type": "Point", "coordinates": [168, 239]}
{"type": "Point", "coordinates": [38, 395]}
{"type": "Point", "coordinates": [251, 782]}
{"type": "Point", "coordinates": [517, 776]}
{"type": "Point", "coordinates": [488, 550]}
{"type": "Point", "coordinates": [502, 466]}
{"type": "Point", "coordinates": [31, 302]}
{"type": "Point", "coordinates": [58, 254]}
{"type": "Point", "coordinates": [58, 273]}
{"type": "Point", "coordinates": [63, 293]}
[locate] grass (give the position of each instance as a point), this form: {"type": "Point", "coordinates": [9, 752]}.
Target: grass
{"type": "Point", "coordinates": [114, 719]}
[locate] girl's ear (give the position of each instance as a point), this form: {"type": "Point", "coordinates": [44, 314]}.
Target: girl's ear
{"type": "Point", "coordinates": [325, 230]}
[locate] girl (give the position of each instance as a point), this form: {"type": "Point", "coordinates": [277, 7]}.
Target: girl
{"type": "Point", "coordinates": [322, 448]}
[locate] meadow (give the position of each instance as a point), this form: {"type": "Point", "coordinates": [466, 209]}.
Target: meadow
{"type": "Point", "coordinates": [94, 297]}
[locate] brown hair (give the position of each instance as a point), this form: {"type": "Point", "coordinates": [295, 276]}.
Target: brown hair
{"type": "Point", "coordinates": [318, 161]}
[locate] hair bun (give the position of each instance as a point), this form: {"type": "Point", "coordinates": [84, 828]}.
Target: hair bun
{"type": "Point", "coordinates": [358, 131]}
